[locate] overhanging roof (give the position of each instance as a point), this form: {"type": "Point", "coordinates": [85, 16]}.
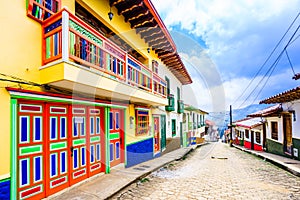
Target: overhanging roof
{"type": "Point", "coordinates": [267, 111]}
{"type": "Point", "coordinates": [249, 123]}
{"type": "Point", "coordinates": [192, 108]}
{"type": "Point", "coordinates": [144, 18]}
{"type": "Point", "coordinates": [287, 96]}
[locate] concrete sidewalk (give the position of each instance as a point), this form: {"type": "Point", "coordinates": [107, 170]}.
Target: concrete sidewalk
{"type": "Point", "coordinates": [288, 164]}
{"type": "Point", "coordinates": [104, 186]}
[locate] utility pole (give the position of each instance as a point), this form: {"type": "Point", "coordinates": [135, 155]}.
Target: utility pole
{"type": "Point", "coordinates": [230, 114]}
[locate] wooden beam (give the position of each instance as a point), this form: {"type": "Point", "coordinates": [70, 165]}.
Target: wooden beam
{"type": "Point", "coordinates": [158, 37]}
{"type": "Point", "coordinates": [115, 2]}
{"type": "Point", "coordinates": [141, 19]}
{"type": "Point", "coordinates": [126, 5]}
{"type": "Point", "coordinates": [147, 36]}
{"type": "Point", "coordinates": [171, 55]}
{"type": "Point", "coordinates": [165, 46]}
{"type": "Point", "coordinates": [171, 62]}
{"type": "Point", "coordinates": [146, 29]}
{"type": "Point", "coordinates": [138, 13]}
{"type": "Point", "coordinates": [150, 23]}
{"type": "Point", "coordinates": [135, 8]}
{"type": "Point", "coordinates": [158, 41]}
{"type": "Point", "coordinates": [165, 54]}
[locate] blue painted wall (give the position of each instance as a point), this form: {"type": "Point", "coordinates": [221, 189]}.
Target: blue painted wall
{"type": "Point", "coordinates": [139, 152]}
{"type": "Point", "coordinates": [157, 155]}
{"type": "Point", "coordinates": [5, 189]}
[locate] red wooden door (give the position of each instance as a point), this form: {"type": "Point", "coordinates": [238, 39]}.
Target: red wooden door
{"type": "Point", "coordinates": [78, 144]}
{"type": "Point", "coordinates": [156, 135]}
{"type": "Point", "coordinates": [30, 151]}
{"type": "Point", "coordinates": [116, 131]}
{"type": "Point", "coordinates": [96, 140]}
{"type": "Point", "coordinates": [56, 169]}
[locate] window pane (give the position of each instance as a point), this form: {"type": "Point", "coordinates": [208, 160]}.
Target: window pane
{"type": "Point", "coordinates": [63, 127]}
{"type": "Point", "coordinates": [37, 129]}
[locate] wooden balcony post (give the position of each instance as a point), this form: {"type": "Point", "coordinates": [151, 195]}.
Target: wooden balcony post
{"type": "Point", "coordinates": [65, 36]}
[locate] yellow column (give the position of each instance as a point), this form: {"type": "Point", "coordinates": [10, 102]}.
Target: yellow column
{"type": "Point", "coordinates": [70, 4]}
{"type": "Point", "coordinates": [4, 133]}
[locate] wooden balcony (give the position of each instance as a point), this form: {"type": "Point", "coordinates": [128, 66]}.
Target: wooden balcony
{"type": "Point", "coordinates": [72, 49]}
{"type": "Point", "coordinates": [180, 107]}
{"type": "Point", "coordinates": [171, 103]}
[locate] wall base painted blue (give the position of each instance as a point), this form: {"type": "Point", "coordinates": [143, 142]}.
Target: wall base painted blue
{"type": "Point", "coordinates": [5, 189]}
{"type": "Point", "coordinates": [139, 152]}
{"type": "Point", "coordinates": [193, 140]}
{"type": "Point", "coordinates": [157, 155]}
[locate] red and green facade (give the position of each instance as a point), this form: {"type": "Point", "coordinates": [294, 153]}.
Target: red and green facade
{"type": "Point", "coordinates": [58, 141]}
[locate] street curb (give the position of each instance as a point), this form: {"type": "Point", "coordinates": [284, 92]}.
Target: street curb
{"type": "Point", "coordinates": [273, 161]}
{"type": "Point", "coordinates": [192, 148]}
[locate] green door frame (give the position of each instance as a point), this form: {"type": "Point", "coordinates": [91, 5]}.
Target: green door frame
{"type": "Point", "coordinates": [163, 127]}
{"type": "Point", "coordinates": [173, 127]}
{"type": "Point", "coordinates": [181, 134]}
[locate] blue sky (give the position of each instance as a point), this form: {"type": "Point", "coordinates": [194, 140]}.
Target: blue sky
{"type": "Point", "coordinates": [224, 43]}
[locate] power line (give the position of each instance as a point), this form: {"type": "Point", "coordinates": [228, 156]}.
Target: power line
{"type": "Point", "coordinates": [287, 55]}
{"type": "Point", "coordinates": [16, 81]}
{"type": "Point", "coordinates": [266, 60]}
{"type": "Point", "coordinates": [295, 39]}
{"type": "Point", "coordinates": [19, 80]}
{"type": "Point", "coordinates": [273, 66]}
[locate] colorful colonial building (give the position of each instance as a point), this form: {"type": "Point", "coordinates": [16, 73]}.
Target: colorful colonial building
{"type": "Point", "coordinates": [249, 133]}
{"type": "Point", "coordinates": [85, 86]}
{"type": "Point", "coordinates": [283, 135]}
{"type": "Point", "coordinates": [193, 125]}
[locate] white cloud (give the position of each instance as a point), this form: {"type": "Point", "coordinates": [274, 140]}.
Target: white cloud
{"type": "Point", "coordinates": [232, 29]}
{"type": "Point", "coordinates": [210, 93]}
{"type": "Point", "coordinates": [239, 35]}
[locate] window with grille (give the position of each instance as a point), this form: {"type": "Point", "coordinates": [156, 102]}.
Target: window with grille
{"type": "Point", "coordinates": [274, 130]}
{"type": "Point", "coordinates": [142, 122]}
{"type": "Point", "coordinates": [42, 9]}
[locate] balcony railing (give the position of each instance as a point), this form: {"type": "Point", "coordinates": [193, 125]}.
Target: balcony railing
{"type": "Point", "coordinates": [68, 38]}
{"type": "Point", "coordinates": [138, 75]}
{"type": "Point", "coordinates": [180, 108]}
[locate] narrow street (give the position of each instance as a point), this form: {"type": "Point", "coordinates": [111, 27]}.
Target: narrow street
{"type": "Point", "coordinates": [216, 171]}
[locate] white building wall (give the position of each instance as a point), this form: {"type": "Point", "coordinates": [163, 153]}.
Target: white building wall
{"type": "Point", "coordinates": [280, 128]}
{"type": "Point", "coordinates": [163, 72]}
{"type": "Point", "coordinates": [295, 105]}
{"type": "Point", "coordinates": [249, 135]}
{"type": "Point", "coordinates": [242, 132]}
{"type": "Point", "coordinates": [258, 129]}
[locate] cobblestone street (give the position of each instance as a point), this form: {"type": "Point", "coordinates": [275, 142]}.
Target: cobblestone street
{"type": "Point", "coordinates": [216, 171]}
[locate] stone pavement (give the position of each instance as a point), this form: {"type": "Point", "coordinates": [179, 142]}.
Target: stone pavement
{"type": "Point", "coordinates": [106, 185]}
{"type": "Point", "coordinates": [202, 175]}
{"type": "Point", "coordinates": [215, 171]}
{"type": "Point", "coordinates": [288, 164]}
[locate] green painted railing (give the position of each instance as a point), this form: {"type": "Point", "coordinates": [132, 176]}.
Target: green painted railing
{"type": "Point", "coordinates": [171, 106]}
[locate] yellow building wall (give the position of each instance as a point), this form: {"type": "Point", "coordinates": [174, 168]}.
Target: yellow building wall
{"type": "Point", "coordinates": [21, 57]}
{"type": "Point", "coordinates": [69, 4]}
{"type": "Point", "coordinates": [21, 51]}
{"type": "Point", "coordinates": [4, 134]}
{"type": "Point", "coordinates": [130, 131]}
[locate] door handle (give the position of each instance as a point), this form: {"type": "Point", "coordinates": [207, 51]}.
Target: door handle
{"type": "Point", "coordinates": [71, 149]}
